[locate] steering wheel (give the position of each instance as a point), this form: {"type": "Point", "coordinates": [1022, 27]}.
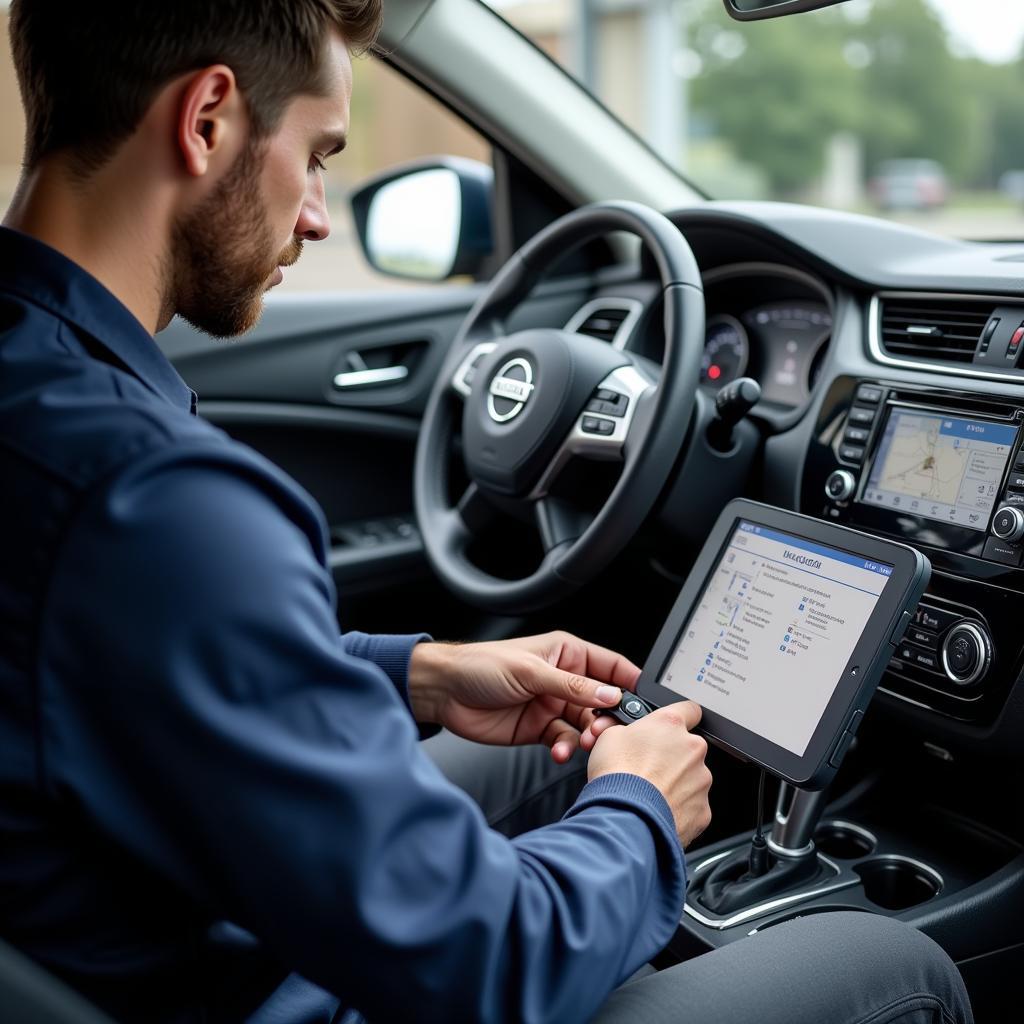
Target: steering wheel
{"type": "Point", "coordinates": [532, 400]}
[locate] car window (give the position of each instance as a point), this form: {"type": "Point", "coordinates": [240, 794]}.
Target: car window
{"type": "Point", "coordinates": [392, 121]}
{"type": "Point", "coordinates": [909, 109]}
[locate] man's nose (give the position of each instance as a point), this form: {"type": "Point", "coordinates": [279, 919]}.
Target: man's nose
{"type": "Point", "coordinates": [314, 223]}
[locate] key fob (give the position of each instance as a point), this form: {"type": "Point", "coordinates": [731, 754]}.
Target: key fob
{"type": "Point", "coordinates": [629, 709]}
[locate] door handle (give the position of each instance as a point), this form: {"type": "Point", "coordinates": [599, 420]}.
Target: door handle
{"type": "Point", "coordinates": [367, 377]}
{"type": "Point", "coordinates": [359, 375]}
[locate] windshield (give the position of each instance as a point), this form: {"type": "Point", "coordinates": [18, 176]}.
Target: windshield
{"type": "Point", "coordinates": [907, 109]}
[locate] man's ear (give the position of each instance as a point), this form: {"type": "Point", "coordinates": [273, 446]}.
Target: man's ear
{"type": "Point", "coordinates": [209, 112]}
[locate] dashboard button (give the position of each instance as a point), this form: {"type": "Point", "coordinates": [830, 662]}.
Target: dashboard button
{"type": "Point", "coordinates": [986, 335]}
{"type": "Point", "coordinates": [923, 638]}
{"type": "Point", "coordinates": [851, 452]}
{"type": "Point", "coordinates": [966, 653]}
{"type": "Point", "coordinates": [1016, 482]}
{"type": "Point", "coordinates": [859, 415]}
{"type": "Point", "coordinates": [1008, 524]}
{"type": "Point", "coordinates": [997, 550]}
{"type": "Point", "coordinates": [840, 485]}
{"type": "Point", "coordinates": [856, 435]}
{"type": "Point", "coordinates": [915, 656]}
{"type": "Point", "coordinates": [934, 618]}
{"type": "Point", "coordinates": [868, 394]}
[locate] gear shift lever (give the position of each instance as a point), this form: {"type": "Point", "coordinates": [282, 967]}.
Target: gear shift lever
{"type": "Point", "coordinates": [742, 879]}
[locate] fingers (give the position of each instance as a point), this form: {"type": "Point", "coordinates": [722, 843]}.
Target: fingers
{"type": "Point", "coordinates": [599, 725]}
{"type": "Point", "coordinates": [547, 680]}
{"type": "Point", "coordinates": [562, 738]}
{"type": "Point", "coordinates": [691, 713]}
{"type": "Point", "coordinates": [572, 654]}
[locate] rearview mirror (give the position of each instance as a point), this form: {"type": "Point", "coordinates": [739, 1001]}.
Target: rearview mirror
{"type": "Point", "coordinates": [755, 10]}
{"type": "Point", "coordinates": [427, 221]}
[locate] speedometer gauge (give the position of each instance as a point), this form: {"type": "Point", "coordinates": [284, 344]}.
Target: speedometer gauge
{"type": "Point", "coordinates": [726, 351]}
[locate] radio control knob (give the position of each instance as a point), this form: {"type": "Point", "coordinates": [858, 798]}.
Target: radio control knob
{"type": "Point", "coordinates": [841, 484]}
{"type": "Point", "coordinates": [966, 653]}
{"type": "Point", "coordinates": [1008, 524]}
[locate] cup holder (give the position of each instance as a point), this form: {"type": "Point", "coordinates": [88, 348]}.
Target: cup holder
{"type": "Point", "coordinates": [896, 883]}
{"type": "Point", "coordinates": [844, 841]}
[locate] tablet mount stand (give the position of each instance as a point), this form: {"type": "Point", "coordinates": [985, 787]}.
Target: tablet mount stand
{"type": "Point", "coordinates": [794, 863]}
{"type": "Point", "coordinates": [797, 814]}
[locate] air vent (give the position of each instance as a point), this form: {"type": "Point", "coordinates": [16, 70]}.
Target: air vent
{"type": "Point", "coordinates": [609, 320]}
{"type": "Point", "coordinates": [933, 330]}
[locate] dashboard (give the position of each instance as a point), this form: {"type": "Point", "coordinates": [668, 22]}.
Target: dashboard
{"type": "Point", "coordinates": [891, 402]}
{"type": "Point", "coordinates": [769, 322]}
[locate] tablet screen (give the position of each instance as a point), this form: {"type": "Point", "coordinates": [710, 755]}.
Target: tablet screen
{"type": "Point", "coordinates": [773, 631]}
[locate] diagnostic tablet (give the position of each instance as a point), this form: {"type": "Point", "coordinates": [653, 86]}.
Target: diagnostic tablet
{"type": "Point", "coordinates": [781, 633]}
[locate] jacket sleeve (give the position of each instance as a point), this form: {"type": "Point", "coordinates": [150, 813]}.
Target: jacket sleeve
{"type": "Point", "coordinates": [198, 704]}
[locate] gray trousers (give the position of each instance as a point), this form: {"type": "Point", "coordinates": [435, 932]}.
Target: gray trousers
{"type": "Point", "coordinates": [841, 968]}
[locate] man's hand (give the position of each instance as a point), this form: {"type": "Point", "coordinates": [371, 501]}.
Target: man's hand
{"type": "Point", "coordinates": [662, 749]}
{"type": "Point", "coordinates": [538, 689]}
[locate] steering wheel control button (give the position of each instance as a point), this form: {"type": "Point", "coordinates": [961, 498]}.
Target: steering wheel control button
{"type": "Point", "coordinates": [1008, 524]}
{"type": "Point", "coordinates": [868, 394]}
{"type": "Point", "coordinates": [858, 415]}
{"type": "Point", "coordinates": [966, 653]}
{"type": "Point", "coordinates": [840, 485]}
{"type": "Point", "coordinates": [616, 407]}
{"type": "Point", "coordinates": [597, 425]}
{"type": "Point", "coordinates": [851, 453]}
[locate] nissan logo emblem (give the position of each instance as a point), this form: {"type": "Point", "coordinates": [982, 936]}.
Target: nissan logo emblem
{"type": "Point", "coordinates": [510, 390]}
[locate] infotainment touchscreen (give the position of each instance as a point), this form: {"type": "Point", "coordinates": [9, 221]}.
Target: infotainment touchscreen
{"type": "Point", "coordinates": [770, 637]}
{"type": "Point", "coordinates": [939, 467]}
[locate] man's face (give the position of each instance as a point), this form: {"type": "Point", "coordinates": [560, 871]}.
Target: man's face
{"type": "Point", "coordinates": [229, 250]}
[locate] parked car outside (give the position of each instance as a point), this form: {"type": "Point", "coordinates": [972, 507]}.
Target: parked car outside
{"type": "Point", "coordinates": [910, 185]}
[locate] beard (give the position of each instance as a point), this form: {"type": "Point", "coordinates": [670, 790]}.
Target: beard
{"type": "Point", "coordinates": [221, 262]}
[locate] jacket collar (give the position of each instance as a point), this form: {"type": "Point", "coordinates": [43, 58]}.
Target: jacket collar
{"type": "Point", "coordinates": [41, 275]}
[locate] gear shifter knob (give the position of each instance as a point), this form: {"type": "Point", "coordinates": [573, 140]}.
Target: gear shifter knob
{"type": "Point", "coordinates": [732, 403]}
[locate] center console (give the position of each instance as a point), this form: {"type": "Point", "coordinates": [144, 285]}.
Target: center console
{"type": "Point", "coordinates": [943, 471]}
{"type": "Point", "coordinates": [912, 829]}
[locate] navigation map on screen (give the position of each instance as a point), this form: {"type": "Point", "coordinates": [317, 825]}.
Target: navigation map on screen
{"type": "Point", "coordinates": [773, 631]}
{"type": "Point", "coordinates": [940, 467]}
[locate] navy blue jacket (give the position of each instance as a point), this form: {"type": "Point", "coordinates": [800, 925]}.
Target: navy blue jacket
{"type": "Point", "coordinates": [212, 806]}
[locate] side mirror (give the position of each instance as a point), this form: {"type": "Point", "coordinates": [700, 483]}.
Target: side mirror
{"type": "Point", "coordinates": [755, 10]}
{"type": "Point", "coordinates": [427, 221]}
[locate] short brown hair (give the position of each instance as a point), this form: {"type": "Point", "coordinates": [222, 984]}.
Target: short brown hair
{"type": "Point", "coordinates": [88, 70]}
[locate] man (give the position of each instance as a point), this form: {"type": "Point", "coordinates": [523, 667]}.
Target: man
{"type": "Point", "coordinates": [211, 806]}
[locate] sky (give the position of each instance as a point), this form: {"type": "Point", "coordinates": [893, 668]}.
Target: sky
{"type": "Point", "coordinates": [993, 29]}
